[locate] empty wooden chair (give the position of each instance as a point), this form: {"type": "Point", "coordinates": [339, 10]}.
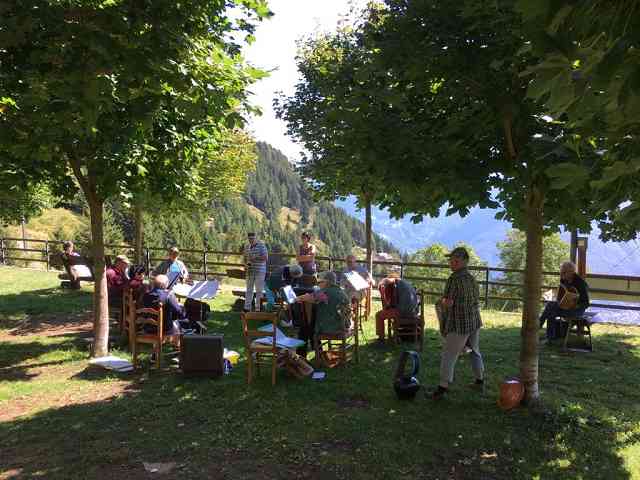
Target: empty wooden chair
{"type": "Point", "coordinates": [153, 317]}
{"type": "Point", "coordinates": [260, 353]}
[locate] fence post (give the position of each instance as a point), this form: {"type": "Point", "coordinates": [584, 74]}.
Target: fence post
{"type": "Point", "coordinates": [46, 253]}
{"type": "Point", "coordinates": [401, 269]}
{"type": "Point", "coordinates": [204, 264]}
{"type": "Point", "coordinates": [147, 258]}
{"type": "Point", "coordinates": [2, 252]}
{"type": "Point", "coordinates": [486, 288]}
{"type": "Point", "coordinates": [331, 264]}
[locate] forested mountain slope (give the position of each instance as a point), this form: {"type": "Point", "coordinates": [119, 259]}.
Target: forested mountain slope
{"type": "Point", "coordinates": [278, 206]}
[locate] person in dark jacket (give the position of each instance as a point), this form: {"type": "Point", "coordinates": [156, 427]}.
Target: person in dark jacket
{"type": "Point", "coordinates": [172, 310]}
{"type": "Point", "coordinates": [399, 300]}
{"type": "Point", "coordinates": [570, 281]}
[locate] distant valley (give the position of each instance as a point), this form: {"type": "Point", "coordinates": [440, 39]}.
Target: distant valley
{"type": "Point", "coordinates": [481, 230]}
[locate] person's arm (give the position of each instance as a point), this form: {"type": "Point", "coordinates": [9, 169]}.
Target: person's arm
{"type": "Point", "coordinates": [161, 269]}
{"type": "Point", "coordinates": [183, 270]}
{"type": "Point", "coordinates": [175, 305]}
{"type": "Point", "coordinates": [584, 294]}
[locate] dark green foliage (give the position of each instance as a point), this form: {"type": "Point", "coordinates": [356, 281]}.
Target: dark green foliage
{"type": "Point", "coordinates": [273, 186]}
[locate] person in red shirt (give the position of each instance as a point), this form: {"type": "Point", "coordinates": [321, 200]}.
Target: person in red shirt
{"type": "Point", "coordinates": [117, 279]}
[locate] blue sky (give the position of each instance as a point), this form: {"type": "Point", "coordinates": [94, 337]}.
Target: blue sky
{"type": "Point", "coordinates": [275, 49]}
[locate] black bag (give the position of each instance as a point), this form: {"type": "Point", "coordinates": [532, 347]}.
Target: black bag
{"type": "Point", "coordinates": [202, 355]}
{"type": "Point", "coordinates": [197, 315]}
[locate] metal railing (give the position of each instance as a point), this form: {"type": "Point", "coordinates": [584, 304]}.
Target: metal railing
{"type": "Point", "coordinates": [207, 263]}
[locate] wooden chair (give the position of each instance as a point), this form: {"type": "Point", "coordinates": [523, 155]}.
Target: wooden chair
{"type": "Point", "coordinates": [128, 309]}
{"type": "Point", "coordinates": [155, 318]}
{"type": "Point", "coordinates": [341, 347]}
{"type": "Point", "coordinates": [410, 327]}
{"type": "Point", "coordinates": [259, 353]}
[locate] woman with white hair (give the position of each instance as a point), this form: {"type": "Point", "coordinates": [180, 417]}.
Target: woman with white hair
{"type": "Point", "coordinates": [575, 289]}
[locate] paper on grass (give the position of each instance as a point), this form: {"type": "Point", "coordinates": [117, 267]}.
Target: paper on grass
{"type": "Point", "coordinates": [201, 290]}
{"type": "Point", "coordinates": [112, 363]}
{"type": "Point", "coordinates": [282, 340]}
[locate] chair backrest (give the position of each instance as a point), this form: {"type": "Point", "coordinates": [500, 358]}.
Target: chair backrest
{"type": "Point", "coordinates": [251, 321]}
{"type": "Point", "coordinates": [149, 316]}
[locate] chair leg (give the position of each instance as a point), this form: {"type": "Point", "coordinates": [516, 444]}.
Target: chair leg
{"type": "Point", "coordinates": [273, 369]}
{"type": "Point", "coordinates": [566, 337]}
{"type": "Point", "coordinates": [249, 368]}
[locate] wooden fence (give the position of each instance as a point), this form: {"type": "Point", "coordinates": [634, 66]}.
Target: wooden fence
{"type": "Point", "coordinates": [213, 263]}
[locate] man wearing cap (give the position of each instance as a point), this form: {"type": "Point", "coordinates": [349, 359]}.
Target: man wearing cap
{"type": "Point", "coordinates": [117, 279]}
{"type": "Point", "coordinates": [172, 265]}
{"type": "Point", "coordinates": [461, 322]}
{"type": "Point", "coordinates": [255, 259]}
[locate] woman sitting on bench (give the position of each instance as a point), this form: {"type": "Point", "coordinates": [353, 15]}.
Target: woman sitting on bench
{"type": "Point", "coordinates": [572, 300]}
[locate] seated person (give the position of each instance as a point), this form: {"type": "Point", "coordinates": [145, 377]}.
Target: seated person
{"type": "Point", "coordinates": [280, 277]}
{"type": "Point", "coordinates": [572, 282]}
{"type": "Point", "coordinates": [172, 265]}
{"type": "Point", "coordinates": [68, 251]}
{"type": "Point", "coordinates": [117, 280]}
{"type": "Point", "coordinates": [399, 300]}
{"type": "Point", "coordinates": [332, 308]}
{"type": "Point", "coordinates": [353, 266]}
{"type": "Point", "coordinates": [136, 282]}
{"type": "Point", "coordinates": [173, 312]}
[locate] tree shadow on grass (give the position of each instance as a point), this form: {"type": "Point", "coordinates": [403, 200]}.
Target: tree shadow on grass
{"type": "Point", "coordinates": [226, 429]}
{"type": "Point", "coordinates": [37, 310]}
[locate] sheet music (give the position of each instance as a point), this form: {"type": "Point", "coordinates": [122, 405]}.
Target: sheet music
{"type": "Point", "coordinates": [289, 294]}
{"type": "Point", "coordinates": [201, 290]}
{"type": "Point", "coordinates": [282, 340]}
{"type": "Point", "coordinates": [356, 281]}
{"type": "Point", "coordinates": [81, 270]}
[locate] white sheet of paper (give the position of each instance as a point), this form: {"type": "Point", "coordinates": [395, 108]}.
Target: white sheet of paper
{"type": "Point", "coordinates": [290, 295]}
{"type": "Point", "coordinates": [282, 340]}
{"type": "Point", "coordinates": [112, 363]}
{"type": "Point", "coordinates": [201, 290]}
{"type": "Point", "coordinates": [356, 281]}
{"type": "Point", "coordinates": [81, 270]}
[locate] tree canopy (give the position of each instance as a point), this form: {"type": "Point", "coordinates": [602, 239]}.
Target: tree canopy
{"type": "Point", "coordinates": [90, 86]}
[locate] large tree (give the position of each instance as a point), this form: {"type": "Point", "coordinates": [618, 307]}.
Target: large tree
{"type": "Point", "coordinates": [332, 116]}
{"type": "Point", "coordinates": [471, 135]}
{"type": "Point", "coordinates": [85, 84]}
{"type": "Point", "coordinates": [587, 74]}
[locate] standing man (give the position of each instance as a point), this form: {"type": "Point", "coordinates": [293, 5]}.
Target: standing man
{"type": "Point", "coordinates": [255, 259]}
{"type": "Point", "coordinates": [172, 265]}
{"type": "Point", "coordinates": [462, 322]}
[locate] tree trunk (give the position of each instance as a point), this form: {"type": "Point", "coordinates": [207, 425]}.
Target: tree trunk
{"type": "Point", "coordinates": [532, 284]}
{"type": "Point", "coordinates": [139, 227]}
{"type": "Point", "coordinates": [368, 235]}
{"type": "Point", "coordinates": [100, 298]}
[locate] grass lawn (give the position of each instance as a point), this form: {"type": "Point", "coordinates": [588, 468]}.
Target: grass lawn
{"type": "Point", "coordinates": [61, 419]}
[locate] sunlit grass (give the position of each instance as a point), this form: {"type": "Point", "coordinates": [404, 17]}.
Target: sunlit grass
{"type": "Point", "coordinates": [90, 424]}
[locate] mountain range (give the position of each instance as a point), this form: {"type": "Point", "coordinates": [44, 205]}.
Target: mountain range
{"type": "Point", "coordinates": [483, 231]}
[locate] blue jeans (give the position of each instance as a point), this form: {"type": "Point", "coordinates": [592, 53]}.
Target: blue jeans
{"type": "Point", "coordinates": [553, 310]}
